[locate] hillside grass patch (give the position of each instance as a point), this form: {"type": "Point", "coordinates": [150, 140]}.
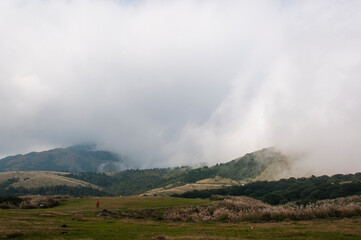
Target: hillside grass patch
{"type": "Point", "coordinates": [33, 179]}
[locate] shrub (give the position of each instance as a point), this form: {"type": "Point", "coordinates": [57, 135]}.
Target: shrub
{"type": "Point", "coordinates": [10, 200]}
{"type": "Point", "coordinates": [39, 202]}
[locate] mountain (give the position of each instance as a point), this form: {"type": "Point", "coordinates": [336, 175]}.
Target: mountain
{"type": "Point", "coordinates": [266, 164]}
{"type": "Point", "coordinates": [82, 162]}
{"type": "Point", "coordinates": [80, 158]}
{"type": "Point", "coordinates": [248, 167]}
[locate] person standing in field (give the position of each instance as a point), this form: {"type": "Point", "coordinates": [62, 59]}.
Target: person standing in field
{"type": "Point", "coordinates": [97, 204]}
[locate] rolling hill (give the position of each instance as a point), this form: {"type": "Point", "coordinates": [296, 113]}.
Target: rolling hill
{"type": "Point", "coordinates": [41, 179]}
{"type": "Point", "coordinates": [81, 158]}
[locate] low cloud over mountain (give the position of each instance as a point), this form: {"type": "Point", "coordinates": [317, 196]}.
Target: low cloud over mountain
{"type": "Point", "coordinates": [171, 83]}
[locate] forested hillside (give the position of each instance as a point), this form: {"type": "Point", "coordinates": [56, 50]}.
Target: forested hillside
{"type": "Point", "coordinates": [301, 190]}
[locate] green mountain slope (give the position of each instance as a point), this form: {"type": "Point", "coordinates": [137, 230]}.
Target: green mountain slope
{"type": "Point", "coordinates": [242, 170]}
{"type": "Point", "coordinates": [82, 158]}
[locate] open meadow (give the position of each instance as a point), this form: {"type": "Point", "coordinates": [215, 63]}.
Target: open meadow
{"type": "Point", "coordinates": [143, 218]}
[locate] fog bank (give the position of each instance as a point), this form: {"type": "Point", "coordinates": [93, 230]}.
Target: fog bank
{"type": "Point", "coordinates": [170, 83]}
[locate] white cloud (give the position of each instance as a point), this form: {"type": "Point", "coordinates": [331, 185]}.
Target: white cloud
{"type": "Point", "coordinates": [180, 82]}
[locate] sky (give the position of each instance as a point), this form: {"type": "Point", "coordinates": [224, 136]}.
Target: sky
{"type": "Point", "coordinates": [184, 82]}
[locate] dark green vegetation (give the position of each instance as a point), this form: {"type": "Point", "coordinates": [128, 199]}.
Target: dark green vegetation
{"type": "Point", "coordinates": [301, 190]}
{"type": "Point", "coordinates": [78, 219]}
{"type": "Point", "coordinates": [11, 200]}
{"type": "Point", "coordinates": [54, 190]}
{"type": "Point", "coordinates": [131, 182]}
{"type": "Point", "coordinates": [82, 158]}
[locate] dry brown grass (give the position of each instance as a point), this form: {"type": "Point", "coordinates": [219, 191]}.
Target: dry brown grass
{"type": "Point", "coordinates": [236, 209]}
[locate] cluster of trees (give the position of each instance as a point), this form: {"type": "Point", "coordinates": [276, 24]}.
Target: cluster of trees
{"type": "Point", "coordinates": [54, 190]}
{"type": "Point", "coordinates": [10, 199]}
{"type": "Point", "coordinates": [300, 190]}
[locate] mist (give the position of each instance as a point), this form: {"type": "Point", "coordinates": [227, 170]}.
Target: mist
{"type": "Point", "coordinates": [170, 83]}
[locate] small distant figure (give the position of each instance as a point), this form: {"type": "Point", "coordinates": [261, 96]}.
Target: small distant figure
{"type": "Point", "coordinates": [97, 204]}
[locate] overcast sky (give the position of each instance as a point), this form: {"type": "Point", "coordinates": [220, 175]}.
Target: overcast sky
{"type": "Point", "coordinates": [171, 83]}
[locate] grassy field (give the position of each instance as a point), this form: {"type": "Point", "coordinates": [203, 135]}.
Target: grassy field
{"type": "Point", "coordinates": [33, 179]}
{"type": "Point", "coordinates": [209, 183]}
{"type": "Point", "coordinates": [77, 218]}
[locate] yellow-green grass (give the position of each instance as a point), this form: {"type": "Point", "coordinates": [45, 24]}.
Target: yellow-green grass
{"type": "Point", "coordinates": [80, 221]}
{"type": "Point", "coordinates": [36, 179]}
{"type": "Point", "coordinates": [209, 183]}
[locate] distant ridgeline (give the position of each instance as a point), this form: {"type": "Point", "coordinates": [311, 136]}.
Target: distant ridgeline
{"type": "Point", "coordinates": [247, 175]}
{"type": "Point", "coordinates": [80, 158]}
{"type": "Point", "coordinates": [266, 163]}
{"type": "Point", "coordinates": [301, 190]}
{"type": "Point", "coordinates": [263, 164]}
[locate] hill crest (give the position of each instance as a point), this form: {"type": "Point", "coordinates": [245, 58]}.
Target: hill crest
{"type": "Point", "coordinates": [80, 158]}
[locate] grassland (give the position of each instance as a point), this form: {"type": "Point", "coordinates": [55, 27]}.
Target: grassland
{"type": "Point", "coordinates": [33, 179]}
{"type": "Point", "coordinates": [77, 218]}
{"type": "Point", "coordinates": [209, 183]}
